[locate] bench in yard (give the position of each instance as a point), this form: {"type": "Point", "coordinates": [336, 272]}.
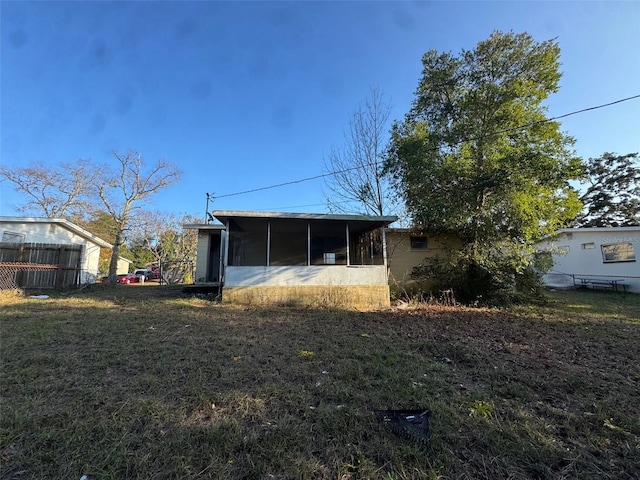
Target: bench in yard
{"type": "Point", "coordinates": [604, 283]}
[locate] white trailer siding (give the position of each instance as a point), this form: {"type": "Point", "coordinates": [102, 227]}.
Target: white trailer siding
{"type": "Point", "coordinates": [590, 253]}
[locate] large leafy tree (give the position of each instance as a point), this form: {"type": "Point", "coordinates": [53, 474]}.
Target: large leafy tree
{"type": "Point", "coordinates": [477, 155]}
{"type": "Point", "coordinates": [612, 196]}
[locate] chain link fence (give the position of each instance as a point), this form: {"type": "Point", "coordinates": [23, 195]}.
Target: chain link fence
{"type": "Point", "coordinates": [14, 276]}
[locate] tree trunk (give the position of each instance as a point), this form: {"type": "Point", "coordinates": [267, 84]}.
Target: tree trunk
{"type": "Point", "coordinates": [113, 263]}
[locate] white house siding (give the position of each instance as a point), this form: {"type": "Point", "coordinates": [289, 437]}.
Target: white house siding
{"type": "Point", "coordinates": [202, 256]}
{"type": "Point", "coordinates": [316, 275]}
{"type": "Point", "coordinates": [208, 236]}
{"type": "Point", "coordinates": [55, 232]}
{"type": "Point", "coordinates": [351, 287]}
{"type": "Point", "coordinates": [578, 253]}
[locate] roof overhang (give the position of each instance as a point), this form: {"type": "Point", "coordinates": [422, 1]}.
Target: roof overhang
{"type": "Point", "coordinates": [63, 223]}
{"type": "Point", "coordinates": [598, 229]}
{"type": "Point", "coordinates": [203, 226]}
{"type": "Point", "coordinates": [609, 230]}
{"type": "Point", "coordinates": [361, 223]}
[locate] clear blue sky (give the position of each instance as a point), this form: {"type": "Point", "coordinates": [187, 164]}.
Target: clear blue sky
{"type": "Point", "coordinates": [242, 95]}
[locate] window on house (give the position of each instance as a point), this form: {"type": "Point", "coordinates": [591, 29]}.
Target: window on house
{"type": "Point", "coordinates": [418, 243]}
{"type": "Point", "coordinates": [588, 246]}
{"type": "Point", "coordinates": [618, 252]}
{"type": "Point", "coordinates": [10, 237]}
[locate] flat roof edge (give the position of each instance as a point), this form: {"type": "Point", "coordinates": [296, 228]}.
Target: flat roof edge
{"type": "Point", "coordinates": [203, 226]}
{"type": "Point", "coordinates": [309, 216]}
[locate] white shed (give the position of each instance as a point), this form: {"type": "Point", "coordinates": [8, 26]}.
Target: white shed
{"type": "Point", "coordinates": [24, 230]}
{"type": "Point", "coordinates": [594, 257]}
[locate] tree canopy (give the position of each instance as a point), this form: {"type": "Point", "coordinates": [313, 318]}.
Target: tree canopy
{"type": "Point", "coordinates": [612, 197]}
{"type": "Point", "coordinates": [477, 155]}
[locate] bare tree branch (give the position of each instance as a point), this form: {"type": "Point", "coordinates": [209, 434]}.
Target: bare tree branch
{"type": "Point", "coordinates": [55, 192]}
{"type": "Point", "coordinates": [125, 191]}
{"type": "Point", "coordinates": [168, 242]}
{"type": "Point", "coordinates": [359, 183]}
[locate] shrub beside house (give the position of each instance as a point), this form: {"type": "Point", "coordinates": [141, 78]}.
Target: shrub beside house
{"type": "Point", "coordinates": [408, 248]}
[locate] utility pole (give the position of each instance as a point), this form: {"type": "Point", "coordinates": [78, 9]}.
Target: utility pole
{"type": "Point", "coordinates": [206, 213]}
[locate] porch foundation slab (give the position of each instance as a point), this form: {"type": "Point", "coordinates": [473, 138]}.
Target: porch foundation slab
{"type": "Point", "coordinates": [358, 297]}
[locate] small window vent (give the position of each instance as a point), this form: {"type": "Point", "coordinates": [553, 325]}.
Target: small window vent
{"type": "Point", "coordinates": [418, 243]}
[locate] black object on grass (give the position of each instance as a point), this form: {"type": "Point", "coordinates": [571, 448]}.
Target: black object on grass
{"type": "Point", "coordinates": [412, 424]}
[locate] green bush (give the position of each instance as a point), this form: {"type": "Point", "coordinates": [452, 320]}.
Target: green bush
{"type": "Point", "coordinates": [498, 274]}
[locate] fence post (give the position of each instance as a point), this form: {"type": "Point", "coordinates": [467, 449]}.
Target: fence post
{"type": "Point", "coordinates": [60, 270]}
{"type": "Point", "coordinates": [20, 274]}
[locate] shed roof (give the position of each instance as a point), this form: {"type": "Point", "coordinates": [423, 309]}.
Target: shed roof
{"type": "Point", "coordinates": [203, 226]}
{"type": "Point", "coordinates": [225, 214]}
{"type": "Point", "coordinates": [360, 223]}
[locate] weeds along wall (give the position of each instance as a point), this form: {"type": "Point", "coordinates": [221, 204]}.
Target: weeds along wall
{"type": "Point", "coordinates": [351, 297]}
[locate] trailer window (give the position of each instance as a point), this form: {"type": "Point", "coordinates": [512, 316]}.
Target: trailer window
{"type": "Point", "coordinates": [618, 252]}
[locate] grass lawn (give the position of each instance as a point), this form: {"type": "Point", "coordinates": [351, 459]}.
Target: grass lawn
{"type": "Point", "coordinates": [142, 382]}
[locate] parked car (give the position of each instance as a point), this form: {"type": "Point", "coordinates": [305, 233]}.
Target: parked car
{"type": "Point", "coordinates": [128, 278]}
{"type": "Point", "coordinates": [147, 274]}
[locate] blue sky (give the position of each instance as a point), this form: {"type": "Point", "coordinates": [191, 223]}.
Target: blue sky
{"type": "Point", "coordinates": [242, 95]}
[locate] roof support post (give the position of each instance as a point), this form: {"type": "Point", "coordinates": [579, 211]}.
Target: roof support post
{"type": "Point", "coordinates": [223, 274]}
{"type": "Point", "coordinates": [308, 243]}
{"type": "Point", "coordinates": [221, 266]}
{"type": "Point", "coordinates": [347, 234]}
{"type": "Point", "coordinates": [268, 242]}
{"type": "Point", "coordinates": [384, 247]}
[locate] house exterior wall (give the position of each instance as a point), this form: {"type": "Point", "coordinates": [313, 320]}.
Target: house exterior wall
{"type": "Point", "coordinates": [55, 233]}
{"type": "Point", "coordinates": [208, 251]}
{"type": "Point", "coordinates": [123, 266]}
{"type": "Point", "coordinates": [202, 256]}
{"type": "Point", "coordinates": [402, 258]}
{"type": "Point", "coordinates": [330, 275]}
{"type": "Point", "coordinates": [350, 297]}
{"type": "Point", "coordinates": [579, 253]}
{"type": "Point", "coordinates": [359, 287]}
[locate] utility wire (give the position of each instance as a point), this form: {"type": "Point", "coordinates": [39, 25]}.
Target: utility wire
{"type": "Point", "coordinates": [338, 172]}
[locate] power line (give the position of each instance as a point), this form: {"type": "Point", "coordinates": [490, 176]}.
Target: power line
{"type": "Point", "coordinates": [338, 172]}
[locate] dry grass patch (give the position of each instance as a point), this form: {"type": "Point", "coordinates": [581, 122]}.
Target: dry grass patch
{"type": "Point", "coordinates": [145, 383]}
